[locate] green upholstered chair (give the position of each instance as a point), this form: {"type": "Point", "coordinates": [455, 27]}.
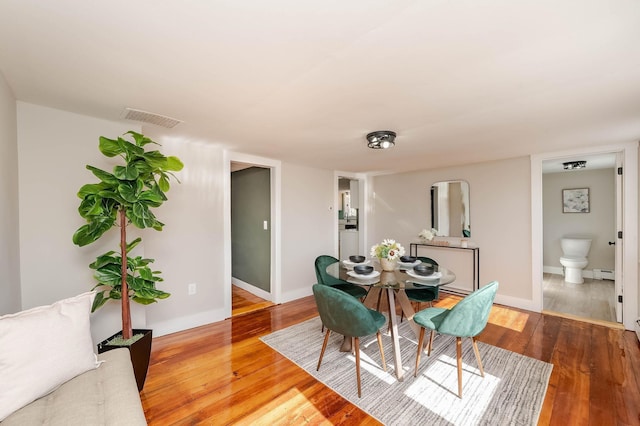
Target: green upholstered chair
{"type": "Point", "coordinates": [321, 264]}
{"type": "Point", "coordinates": [346, 315]}
{"type": "Point", "coordinates": [427, 294]}
{"type": "Point", "coordinates": [466, 319]}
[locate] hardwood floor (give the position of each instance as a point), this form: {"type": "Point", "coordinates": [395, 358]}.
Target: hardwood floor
{"type": "Point", "coordinates": [222, 374]}
{"type": "Point", "coordinates": [244, 301]}
{"type": "Point", "coordinates": [591, 300]}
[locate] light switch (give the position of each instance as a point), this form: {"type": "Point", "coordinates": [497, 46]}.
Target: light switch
{"type": "Point", "coordinates": [265, 225]}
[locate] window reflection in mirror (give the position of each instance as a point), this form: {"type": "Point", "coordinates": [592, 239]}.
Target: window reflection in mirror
{"type": "Point", "coordinates": [450, 208]}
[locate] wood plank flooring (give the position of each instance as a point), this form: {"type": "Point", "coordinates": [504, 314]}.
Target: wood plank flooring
{"type": "Point", "coordinates": [244, 301]}
{"type": "Point", "coordinates": [222, 374]}
{"type": "Point", "coordinates": [591, 300]}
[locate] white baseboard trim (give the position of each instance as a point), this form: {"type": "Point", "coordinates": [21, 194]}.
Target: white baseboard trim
{"type": "Point", "coordinates": [252, 289]}
{"type": "Point", "coordinates": [553, 270]}
{"type": "Point", "coordinates": [586, 273]}
{"type": "Point", "coordinates": [516, 302]}
{"type": "Point", "coordinates": [296, 294]}
{"type": "Point", "coordinates": [183, 323]}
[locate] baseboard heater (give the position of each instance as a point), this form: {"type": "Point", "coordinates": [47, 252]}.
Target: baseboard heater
{"type": "Point", "coordinates": [604, 274]}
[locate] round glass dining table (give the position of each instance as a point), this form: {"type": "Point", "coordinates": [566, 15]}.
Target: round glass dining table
{"type": "Point", "coordinates": [393, 283]}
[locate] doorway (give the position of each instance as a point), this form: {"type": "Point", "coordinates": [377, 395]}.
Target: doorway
{"type": "Point", "coordinates": [588, 292]}
{"type": "Point", "coordinates": [626, 291]}
{"type": "Point", "coordinates": [250, 236]}
{"type": "Point", "coordinates": [252, 226]}
{"type": "Point", "coordinates": [350, 220]}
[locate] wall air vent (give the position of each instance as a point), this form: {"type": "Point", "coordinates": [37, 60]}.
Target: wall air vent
{"type": "Point", "coordinates": [149, 117]}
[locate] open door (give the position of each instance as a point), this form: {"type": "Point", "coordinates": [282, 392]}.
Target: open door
{"type": "Point", "coordinates": [618, 238]}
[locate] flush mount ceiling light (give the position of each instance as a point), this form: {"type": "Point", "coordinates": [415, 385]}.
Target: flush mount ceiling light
{"type": "Point", "coordinates": [381, 139]}
{"type": "Point", "coordinates": [574, 165]}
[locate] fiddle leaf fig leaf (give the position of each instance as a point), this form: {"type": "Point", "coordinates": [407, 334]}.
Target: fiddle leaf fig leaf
{"type": "Point", "coordinates": [128, 172]}
{"type": "Point", "coordinates": [130, 191]}
{"type": "Point", "coordinates": [91, 189]}
{"type": "Point", "coordinates": [106, 259]}
{"type": "Point", "coordinates": [155, 159]}
{"type": "Point", "coordinates": [108, 275]}
{"type": "Point", "coordinates": [133, 244]}
{"type": "Point", "coordinates": [163, 183]}
{"type": "Point", "coordinates": [109, 147]}
{"type": "Point", "coordinates": [131, 150]}
{"type": "Point", "coordinates": [142, 216]}
{"type": "Point", "coordinates": [90, 232]}
{"type": "Point", "coordinates": [141, 140]}
{"type": "Point", "coordinates": [98, 301]}
{"type": "Point", "coordinates": [105, 177]}
{"type": "Point", "coordinates": [173, 164]}
{"type": "Point", "coordinates": [91, 206]}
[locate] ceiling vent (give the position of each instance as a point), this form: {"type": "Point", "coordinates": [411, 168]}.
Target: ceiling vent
{"type": "Point", "coordinates": [149, 117]}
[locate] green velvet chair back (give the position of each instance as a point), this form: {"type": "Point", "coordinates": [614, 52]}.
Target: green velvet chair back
{"type": "Point", "coordinates": [321, 270]}
{"type": "Point", "coordinates": [344, 314]}
{"type": "Point", "coordinates": [469, 316]}
{"type": "Point", "coordinates": [425, 259]}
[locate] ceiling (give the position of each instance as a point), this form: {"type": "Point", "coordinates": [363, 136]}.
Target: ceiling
{"type": "Point", "coordinates": [305, 81]}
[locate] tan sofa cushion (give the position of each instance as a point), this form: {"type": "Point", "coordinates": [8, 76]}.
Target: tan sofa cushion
{"type": "Point", "coordinates": [107, 395]}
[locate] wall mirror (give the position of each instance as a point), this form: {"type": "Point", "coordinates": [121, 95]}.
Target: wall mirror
{"type": "Point", "coordinates": [450, 208]}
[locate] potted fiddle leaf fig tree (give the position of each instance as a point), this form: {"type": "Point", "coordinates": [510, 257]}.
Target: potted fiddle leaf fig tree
{"type": "Point", "coordinates": [126, 196]}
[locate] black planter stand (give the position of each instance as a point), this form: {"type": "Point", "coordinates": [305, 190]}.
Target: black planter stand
{"type": "Point", "coordinates": [140, 353]}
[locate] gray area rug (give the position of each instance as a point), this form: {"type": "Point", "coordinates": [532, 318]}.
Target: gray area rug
{"type": "Point", "coordinates": [511, 393]}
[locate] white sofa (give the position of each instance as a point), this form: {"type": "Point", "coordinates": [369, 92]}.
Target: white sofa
{"type": "Point", "coordinates": [50, 375]}
{"type": "Point", "coordinates": [107, 395]}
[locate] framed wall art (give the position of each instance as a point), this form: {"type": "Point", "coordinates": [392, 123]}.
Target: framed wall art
{"type": "Point", "coordinates": [575, 200]}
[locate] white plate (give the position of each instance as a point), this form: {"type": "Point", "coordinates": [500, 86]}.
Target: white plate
{"type": "Point", "coordinates": [349, 264]}
{"type": "Point", "coordinates": [408, 265]}
{"type": "Point", "coordinates": [434, 276]}
{"type": "Point", "coordinates": [363, 277]}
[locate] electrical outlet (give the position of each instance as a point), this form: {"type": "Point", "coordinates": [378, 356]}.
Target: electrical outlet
{"type": "Point", "coordinates": [192, 289]}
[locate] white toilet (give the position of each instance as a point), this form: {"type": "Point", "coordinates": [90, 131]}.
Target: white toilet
{"type": "Point", "coordinates": [574, 258]}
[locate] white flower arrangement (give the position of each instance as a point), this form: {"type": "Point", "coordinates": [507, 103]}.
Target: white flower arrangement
{"type": "Point", "coordinates": [387, 249]}
{"type": "Point", "coordinates": [428, 234]}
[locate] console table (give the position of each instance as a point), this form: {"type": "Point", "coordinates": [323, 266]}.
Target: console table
{"type": "Point", "coordinates": [475, 252]}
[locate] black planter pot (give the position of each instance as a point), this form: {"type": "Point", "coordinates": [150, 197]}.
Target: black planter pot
{"type": "Point", "coordinates": [140, 352]}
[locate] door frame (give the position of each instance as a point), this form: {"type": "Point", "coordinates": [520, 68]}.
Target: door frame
{"type": "Point", "coordinates": [363, 186]}
{"type": "Point", "coordinates": [275, 226]}
{"type": "Point", "coordinates": [630, 223]}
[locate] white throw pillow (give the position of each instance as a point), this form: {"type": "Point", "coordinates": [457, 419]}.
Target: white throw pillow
{"type": "Point", "coordinates": [43, 347]}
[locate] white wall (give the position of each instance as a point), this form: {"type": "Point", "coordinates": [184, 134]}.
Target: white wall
{"type": "Point", "coordinates": [189, 249]}
{"type": "Point", "coordinates": [53, 148]}
{"type": "Point", "coordinates": [599, 223]}
{"type": "Point", "coordinates": [9, 236]}
{"type": "Point", "coordinates": [500, 204]}
{"type": "Point", "coordinates": [307, 226]}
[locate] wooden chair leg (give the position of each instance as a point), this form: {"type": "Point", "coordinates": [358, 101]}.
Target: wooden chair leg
{"type": "Point", "coordinates": [459, 358]}
{"type": "Point", "coordinates": [357, 346]}
{"type": "Point", "coordinates": [475, 349]}
{"type": "Point", "coordinates": [324, 346]}
{"type": "Point", "coordinates": [430, 342]}
{"type": "Point", "coordinates": [379, 299]}
{"type": "Point", "coordinates": [384, 363]}
{"type": "Point", "coordinates": [420, 343]}
{"type": "Point", "coordinates": [367, 295]}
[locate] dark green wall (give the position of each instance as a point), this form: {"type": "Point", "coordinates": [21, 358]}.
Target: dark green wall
{"type": "Point", "coordinates": [250, 242]}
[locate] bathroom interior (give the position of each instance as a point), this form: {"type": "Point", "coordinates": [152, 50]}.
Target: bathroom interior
{"type": "Point", "coordinates": [579, 226]}
{"type": "Point", "coordinates": [348, 217]}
